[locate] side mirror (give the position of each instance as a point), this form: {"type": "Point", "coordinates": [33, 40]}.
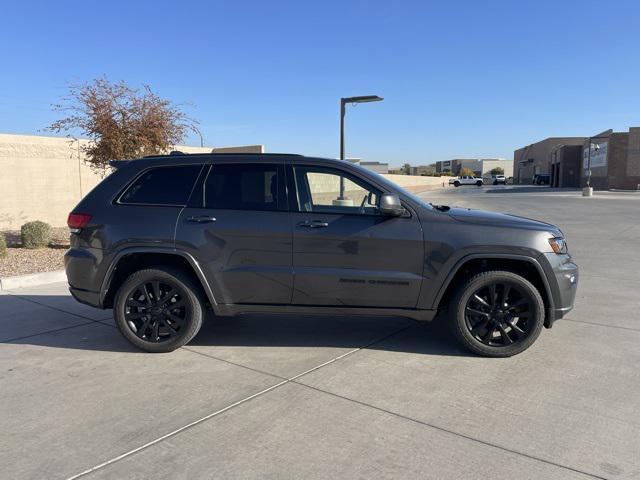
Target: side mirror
{"type": "Point", "coordinates": [390, 205]}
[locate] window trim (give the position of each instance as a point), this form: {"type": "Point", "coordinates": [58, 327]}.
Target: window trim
{"type": "Point", "coordinates": [331, 170]}
{"type": "Point", "coordinates": [124, 190]}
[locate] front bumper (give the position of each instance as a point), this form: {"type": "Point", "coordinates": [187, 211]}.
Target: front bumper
{"type": "Point", "coordinates": [564, 284]}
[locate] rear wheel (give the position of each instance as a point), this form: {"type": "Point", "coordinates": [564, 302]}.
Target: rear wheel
{"type": "Point", "coordinates": [497, 314]}
{"type": "Point", "coordinates": [158, 310]}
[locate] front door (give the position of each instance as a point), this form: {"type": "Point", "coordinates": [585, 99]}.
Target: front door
{"type": "Point", "coordinates": [344, 252]}
{"type": "Point", "coordinates": [238, 228]}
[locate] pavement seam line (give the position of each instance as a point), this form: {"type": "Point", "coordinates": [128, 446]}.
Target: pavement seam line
{"type": "Point", "coordinates": [601, 324]}
{"type": "Point", "coordinates": [450, 432]}
{"type": "Point", "coordinates": [52, 308]}
{"type": "Point", "coordinates": [46, 332]}
{"type": "Point", "coordinates": [235, 364]}
{"type": "Point", "coordinates": [229, 407]}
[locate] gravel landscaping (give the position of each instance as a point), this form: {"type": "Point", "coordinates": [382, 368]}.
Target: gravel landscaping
{"type": "Point", "coordinates": [22, 261]}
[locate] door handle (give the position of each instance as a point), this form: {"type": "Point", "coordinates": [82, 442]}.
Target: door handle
{"type": "Point", "coordinates": [201, 219]}
{"type": "Point", "coordinates": [313, 224]}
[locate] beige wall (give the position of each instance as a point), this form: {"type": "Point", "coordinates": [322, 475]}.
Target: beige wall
{"type": "Point", "coordinates": [506, 165]}
{"type": "Point", "coordinates": [417, 184]}
{"type": "Point", "coordinates": [240, 149]}
{"type": "Point", "coordinates": [43, 178]}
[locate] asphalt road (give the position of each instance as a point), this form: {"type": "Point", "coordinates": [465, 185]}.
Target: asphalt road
{"type": "Point", "coordinates": [336, 397]}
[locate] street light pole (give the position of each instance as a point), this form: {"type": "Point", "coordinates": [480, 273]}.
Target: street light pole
{"type": "Point", "coordinates": [342, 113]}
{"type": "Point", "coordinates": [588, 190]}
{"type": "Point", "coordinates": [343, 110]}
{"type": "Point", "coordinates": [589, 165]}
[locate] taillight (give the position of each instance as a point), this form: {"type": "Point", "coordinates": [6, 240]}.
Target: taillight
{"type": "Point", "coordinates": [77, 221]}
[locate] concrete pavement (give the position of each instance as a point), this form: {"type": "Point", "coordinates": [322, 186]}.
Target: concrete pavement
{"type": "Point", "coordinates": [337, 397]}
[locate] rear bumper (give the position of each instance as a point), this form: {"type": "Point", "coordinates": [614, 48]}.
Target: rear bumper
{"type": "Point", "coordinates": [86, 296]}
{"type": "Point", "coordinates": [81, 265]}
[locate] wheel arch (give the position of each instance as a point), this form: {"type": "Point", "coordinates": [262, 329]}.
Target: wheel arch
{"type": "Point", "coordinates": [528, 267]}
{"type": "Point", "coordinates": [130, 260]}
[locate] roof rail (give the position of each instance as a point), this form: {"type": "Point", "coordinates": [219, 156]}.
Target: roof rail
{"type": "Point", "coordinates": [231, 154]}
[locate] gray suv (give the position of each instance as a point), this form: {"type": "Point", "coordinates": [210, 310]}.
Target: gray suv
{"type": "Point", "coordinates": [165, 240]}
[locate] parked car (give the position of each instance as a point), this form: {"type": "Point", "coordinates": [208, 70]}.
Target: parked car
{"type": "Point", "coordinates": [495, 179]}
{"type": "Point", "coordinates": [541, 179]}
{"type": "Point", "coordinates": [465, 180]}
{"type": "Point", "coordinates": [168, 240]}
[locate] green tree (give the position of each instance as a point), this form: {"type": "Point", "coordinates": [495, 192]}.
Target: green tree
{"type": "Point", "coordinates": [497, 171]}
{"type": "Point", "coordinates": [406, 168]}
{"type": "Point", "coordinates": [121, 122]}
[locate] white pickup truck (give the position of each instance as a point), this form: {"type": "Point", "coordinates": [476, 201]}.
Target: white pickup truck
{"type": "Point", "coordinates": [456, 182]}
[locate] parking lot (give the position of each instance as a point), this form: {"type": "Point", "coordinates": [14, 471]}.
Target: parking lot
{"type": "Point", "coordinates": [339, 397]}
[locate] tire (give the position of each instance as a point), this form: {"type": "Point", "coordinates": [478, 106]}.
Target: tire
{"type": "Point", "coordinates": [479, 183]}
{"type": "Point", "coordinates": [492, 330]}
{"type": "Point", "coordinates": [495, 182]}
{"type": "Point", "coordinates": [137, 310]}
{"type": "Point", "coordinates": [456, 184]}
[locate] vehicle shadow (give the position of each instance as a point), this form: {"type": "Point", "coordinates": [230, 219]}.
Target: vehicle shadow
{"type": "Point", "coordinates": [57, 321]}
{"type": "Point", "coordinates": [311, 331]}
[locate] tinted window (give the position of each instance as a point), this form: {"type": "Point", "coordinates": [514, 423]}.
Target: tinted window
{"type": "Point", "coordinates": [162, 186]}
{"type": "Point", "coordinates": [245, 187]}
{"type": "Point", "coordinates": [333, 191]}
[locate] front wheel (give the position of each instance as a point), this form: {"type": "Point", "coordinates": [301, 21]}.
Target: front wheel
{"type": "Point", "coordinates": [497, 314]}
{"type": "Point", "coordinates": [456, 184]}
{"type": "Point", "coordinates": [158, 309]}
{"type": "Point", "coordinates": [479, 183]}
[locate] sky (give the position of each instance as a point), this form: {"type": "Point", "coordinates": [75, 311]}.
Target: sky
{"type": "Point", "coordinates": [460, 79]}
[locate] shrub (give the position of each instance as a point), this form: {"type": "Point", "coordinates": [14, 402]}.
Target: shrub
{"type": "Point", "coordinates": [35, 234]}
{"type": "Point", "coordinates": [3, 246]}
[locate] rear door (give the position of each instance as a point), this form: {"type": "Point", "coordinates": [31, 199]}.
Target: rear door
{"type": "Point", "coordinates": [344, 252]}
{"type": "Point", "coordinates": [238, 228]}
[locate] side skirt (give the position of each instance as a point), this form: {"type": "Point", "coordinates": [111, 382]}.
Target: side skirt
{"type": "Point", "coordinates": [237, 309]}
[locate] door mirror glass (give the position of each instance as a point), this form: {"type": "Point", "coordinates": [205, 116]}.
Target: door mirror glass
{"type": "Point", "coordinates": [390, 205]}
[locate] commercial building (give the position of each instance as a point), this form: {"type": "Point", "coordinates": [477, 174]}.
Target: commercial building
{"type": "Point", "coordinates": [614, 160]}
{"type": "Point", "coordinates": [480, 166]}
{"type": "Point", "coordinates": [612, 157]}
{"type": "Point", "coordinates": [423, 169]}
{"type": "Point", "coordinates": [566, 165]}
{"type": "Point", "coordinates": [377, 167]}
{"type": "Point", "coordinates": [535, 159]}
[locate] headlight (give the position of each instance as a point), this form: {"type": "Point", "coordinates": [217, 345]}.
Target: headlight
{"type": "Point", "coordinates": [558, 245]}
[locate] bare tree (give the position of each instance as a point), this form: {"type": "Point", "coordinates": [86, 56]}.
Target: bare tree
{"type": "Point", "coordinates": [121, 122]}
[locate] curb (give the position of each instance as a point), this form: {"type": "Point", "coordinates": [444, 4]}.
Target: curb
{"type": "Point", "coordinates": [32, 280]}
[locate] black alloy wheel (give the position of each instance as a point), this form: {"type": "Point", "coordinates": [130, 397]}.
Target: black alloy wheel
{"type": "Point", "coordinates": [155, 310]}
{"type": "Point", "coordinates": [498, 314]}
{"type": "Point", "coordinates": [158, 309]}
